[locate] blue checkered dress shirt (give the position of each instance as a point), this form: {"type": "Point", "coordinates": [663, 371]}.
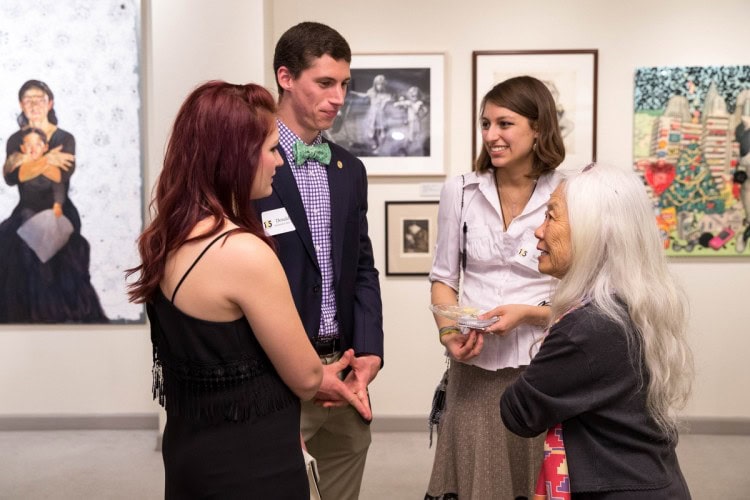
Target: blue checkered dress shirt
{"type": "Point", "coordinates": [312, 183]}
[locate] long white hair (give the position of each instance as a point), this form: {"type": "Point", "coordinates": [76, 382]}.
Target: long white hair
{"type": "Point", "coordinates": [617, 254]}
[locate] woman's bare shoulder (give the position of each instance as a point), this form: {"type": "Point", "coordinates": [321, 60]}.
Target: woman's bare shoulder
{"type": "Point", "coordinates": [241, 244]}
{"type": "Point", "coordinates": [245, 255]}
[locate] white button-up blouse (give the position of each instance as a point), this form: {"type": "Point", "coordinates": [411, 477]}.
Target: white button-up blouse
{"type": "Point", "coordinates": [501, 267]}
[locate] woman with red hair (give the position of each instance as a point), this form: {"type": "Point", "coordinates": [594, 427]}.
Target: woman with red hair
{"type": "Point", "coordinates": [231, 358]}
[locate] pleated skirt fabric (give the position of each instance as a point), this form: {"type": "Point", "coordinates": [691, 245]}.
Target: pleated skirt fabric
{"type": "Point", "coordinates": [476, 457]}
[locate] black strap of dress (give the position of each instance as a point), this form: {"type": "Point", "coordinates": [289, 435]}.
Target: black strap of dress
{"type": "Point", "coordinates": [179, 284]}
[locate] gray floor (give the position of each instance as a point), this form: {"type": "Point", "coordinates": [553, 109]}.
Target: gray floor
{"type": "Point", "coordinates": [124, 465]}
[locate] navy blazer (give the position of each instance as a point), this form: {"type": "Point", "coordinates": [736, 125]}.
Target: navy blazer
{"type": "Point", "coordinates": [355, 279]}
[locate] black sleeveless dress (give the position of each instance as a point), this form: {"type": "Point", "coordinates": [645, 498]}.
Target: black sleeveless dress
{"type": "Point", "coordinates": [232, 428]}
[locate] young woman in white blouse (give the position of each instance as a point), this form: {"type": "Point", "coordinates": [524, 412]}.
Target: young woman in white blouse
{"type": "Point", "coordinates": [486, 226]}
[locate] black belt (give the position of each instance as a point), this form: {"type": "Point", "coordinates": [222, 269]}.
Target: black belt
{"type": "Point", "coordinates": [327, 346]}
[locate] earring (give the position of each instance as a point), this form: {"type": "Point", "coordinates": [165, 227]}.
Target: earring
{"type": "Point", "coordinates": [533, 148]}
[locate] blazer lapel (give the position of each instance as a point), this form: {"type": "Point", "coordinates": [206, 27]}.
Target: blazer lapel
{"type": "Point", "coordinates": [285, 187]}
{"type": "Point", "coordinates": [339, 192]}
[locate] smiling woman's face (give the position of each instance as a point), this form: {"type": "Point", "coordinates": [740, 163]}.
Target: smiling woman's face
{"type": "Point", "coordinates": [554, 237]}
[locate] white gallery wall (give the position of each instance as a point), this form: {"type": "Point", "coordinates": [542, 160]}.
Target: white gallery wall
{"type": "Point", "coordinates": [82, 370]}
{"type": "Point", "coordinates": [628, 35]}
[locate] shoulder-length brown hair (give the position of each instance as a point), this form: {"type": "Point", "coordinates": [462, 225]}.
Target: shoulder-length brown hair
{"type": "Point", "coordinates": [530, 98]}
{"type": "Point", "coordinates": [209, 168]}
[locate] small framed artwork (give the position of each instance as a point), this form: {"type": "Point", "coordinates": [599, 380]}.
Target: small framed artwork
{"type": "Point", "coordinates": [410, 236]}
{"type": "Point", "coordinates": [571, 76]}
{"type": "Point", "coordinates": [393, 116]}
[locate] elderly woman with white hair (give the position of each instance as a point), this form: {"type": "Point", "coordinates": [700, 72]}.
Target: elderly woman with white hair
{"type": "Point", "coordinates": [615, 364]}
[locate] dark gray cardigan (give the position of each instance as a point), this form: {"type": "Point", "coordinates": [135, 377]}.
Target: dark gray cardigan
{"type": "Point", "coordinates": [583, 376]}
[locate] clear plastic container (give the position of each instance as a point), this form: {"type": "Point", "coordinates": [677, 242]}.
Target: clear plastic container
{"type": "Point", "coordinates": [465, 316]}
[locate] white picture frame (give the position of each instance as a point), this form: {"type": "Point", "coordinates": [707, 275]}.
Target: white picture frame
{"type": "Point", "coordinates": [573, 80]}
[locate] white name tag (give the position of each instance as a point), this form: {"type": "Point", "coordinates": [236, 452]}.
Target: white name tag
{"type": "Point", "coordinates": [527, 255]}
{"type": "Point", "coordinates": [276, 222]}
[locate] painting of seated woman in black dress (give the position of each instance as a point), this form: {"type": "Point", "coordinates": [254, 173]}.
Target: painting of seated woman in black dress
{"type": "Point", "coordinates": [44, 259]}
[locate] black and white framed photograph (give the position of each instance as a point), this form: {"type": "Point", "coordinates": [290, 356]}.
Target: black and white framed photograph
{"type": "Point", "coordinates": [410, 236]}
{"type": "Point", "coordinates": [393, 116]}
{"type": "Point", "coordinates": [570, 75]}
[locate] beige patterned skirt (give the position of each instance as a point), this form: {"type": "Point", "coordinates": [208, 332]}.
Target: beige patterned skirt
{"type": "Point", "coordinates": [476, 457]}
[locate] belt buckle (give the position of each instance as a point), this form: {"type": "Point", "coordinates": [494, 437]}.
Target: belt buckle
{"type": "Point", "coordinates": [326, 347]}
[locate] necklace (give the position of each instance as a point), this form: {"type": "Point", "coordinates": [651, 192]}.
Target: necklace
{"type": "Point", "coordinates": [512, 206]}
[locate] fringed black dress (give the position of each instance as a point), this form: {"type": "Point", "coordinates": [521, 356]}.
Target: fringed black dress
{"type": "Point", "coordinates": [232, 428]}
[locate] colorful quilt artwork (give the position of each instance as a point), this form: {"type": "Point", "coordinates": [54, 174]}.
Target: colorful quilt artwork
{"type": "Point", "coordinates": [692, 146]}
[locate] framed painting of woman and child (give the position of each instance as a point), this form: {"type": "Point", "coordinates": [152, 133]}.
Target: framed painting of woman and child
{"type": "Point", "coordinates": [71, 203]}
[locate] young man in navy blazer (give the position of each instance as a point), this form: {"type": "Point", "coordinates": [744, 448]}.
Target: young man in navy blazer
{"type": "Point", "coordinates": [318, 216]}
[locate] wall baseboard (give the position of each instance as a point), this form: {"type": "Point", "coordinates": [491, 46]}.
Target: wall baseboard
{"type": "Point", "coordinates": [117, 422]}
{"type": "Point", "coordinates": [707, 425]}
{"type": "Point", "coordinates": [145, 421]}
{"type": "Point", "coordinates": [695, 425]}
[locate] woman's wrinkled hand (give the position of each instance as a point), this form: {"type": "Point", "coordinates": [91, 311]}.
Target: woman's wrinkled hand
{"type": "Point", "coordinates": [509, 317]}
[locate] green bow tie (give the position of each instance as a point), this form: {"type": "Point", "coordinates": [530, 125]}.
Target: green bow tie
{"type": "Point", "coordinates": [318, 152]}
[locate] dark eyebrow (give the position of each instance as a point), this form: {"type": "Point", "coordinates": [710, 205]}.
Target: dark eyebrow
{"type": "Point", "coordinates": [498, 118]}
{"type": "Point", "coordinates": [332, 79]}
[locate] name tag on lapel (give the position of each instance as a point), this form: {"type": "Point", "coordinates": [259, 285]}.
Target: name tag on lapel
{"type": "Point", "coordinates": [276, 221]}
